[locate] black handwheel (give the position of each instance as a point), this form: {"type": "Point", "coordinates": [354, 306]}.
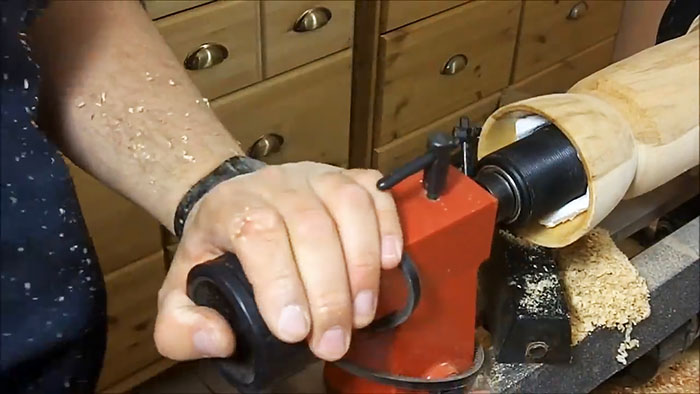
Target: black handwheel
{"type": "Point", "coordinates": [260, 359]}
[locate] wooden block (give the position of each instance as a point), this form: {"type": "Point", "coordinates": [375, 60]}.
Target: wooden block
{"type": "Point", "coordinates": [121, 231]}
{"type": "Point", "coordinates": [548, 34]}
{"type": "Point", "coordinates": [132, 295]}
{"type": "Point", "coordinates": [413, 91]}
{"type": "Point", "coordinates": [284, 49]}
{"type": "Point", "coordinates": [399, 152]}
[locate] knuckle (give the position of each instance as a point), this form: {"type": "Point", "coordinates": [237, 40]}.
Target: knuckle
{"type": "Point", "coordinates": [365, 264]}
{"type": "Point", "coordinates": [330, 306]}
{"type": "Point", "coordinates": [262, 221]}
{"type": "Point", "coordinates": [352, 194]}
{"type": "Point", "coordinates": [368, 175]}
{"type": "Point", "coordinates": [274, 283]}
{"type": "Point", "coordinates": [314, 223]}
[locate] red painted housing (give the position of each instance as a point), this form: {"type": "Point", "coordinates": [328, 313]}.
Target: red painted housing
{"type": "Point", "coordinates": [448, 239]}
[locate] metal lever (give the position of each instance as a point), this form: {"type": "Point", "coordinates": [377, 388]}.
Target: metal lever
{"type": "Point", "coordinates": [434, 164]}
{"type": "Point", "coordinates": [467, 137]}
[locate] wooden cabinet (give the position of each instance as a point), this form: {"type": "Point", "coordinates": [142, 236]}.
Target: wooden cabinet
{"type": "Point", "coordinates": [563, 75]}
{"type": "Point", "coordinates": [400, 151]}
{"type": "Point", "coordinates": [552, 30]}
{"type": "Point", "coordinates": [219, 44]}
{"type": "Point", "coordinates": [160, 8]}
{"type": "Point", "coordinates": [308, 109]}
{"type": "Point", "coordinates": [132, 295]}
{"type": "Point", "coordinates": [295, 33]}
{"type": "Point", "coordinates": [438, 65]}
{"type": "Point", "coordinates": [121, 232]}
{"type": "Point", "coordinates": [398, 13]}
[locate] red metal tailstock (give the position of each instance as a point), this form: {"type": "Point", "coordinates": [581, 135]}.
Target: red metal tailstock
{"type": "Point", "coordinates": [447, 239]}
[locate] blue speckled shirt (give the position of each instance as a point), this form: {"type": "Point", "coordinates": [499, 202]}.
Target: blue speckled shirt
{"type": "Point", "coordinates": [53, 320]}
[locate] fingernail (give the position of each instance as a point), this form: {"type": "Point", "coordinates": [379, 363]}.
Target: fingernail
{"type": "Point", "coordinates": [293, 324]}
{"type": "Point", "coordinates": [365, 303]}
{"type": "Point", "coordinates": [206, 343]}
{"type": "Point", "coordinates": [333, 344]}
{"type": "Point", "coordinates": [391, 249]}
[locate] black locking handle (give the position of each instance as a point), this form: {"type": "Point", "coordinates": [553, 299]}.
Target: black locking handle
{"type": "Point", "coordinates": [260, 358]}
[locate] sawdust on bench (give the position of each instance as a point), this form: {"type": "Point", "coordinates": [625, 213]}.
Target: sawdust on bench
{"type": "Point", "coordinates": [601, 286]}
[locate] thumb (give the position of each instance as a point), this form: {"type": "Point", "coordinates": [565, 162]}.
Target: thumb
{"type": "Point", "coordinates": [185, 331]}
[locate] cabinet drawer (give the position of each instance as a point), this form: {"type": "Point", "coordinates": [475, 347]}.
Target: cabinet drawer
{"type": "Point", "coordinates": [397, 13]}
{"type": "Point", "coordinates": [563, 75]}
{"type": "Point", "coordinates": [160, 8]}
{"type": "Point", "coordinates": [415, 85]}
{"type": "Point", "coordinates": [389, 157]}
{"type": "Point", "coordinates": [309, 108]}
{"type": "Point", "coordinates": [552, 30]}
{"type": "Point", "coordinates": [298, 32]}
{"type": "Point", "coordinates": [121, 231]}
{"type": "Point", "coordinates": [218, 44]}
{"type": "Point", "coordinates": [132, 296]}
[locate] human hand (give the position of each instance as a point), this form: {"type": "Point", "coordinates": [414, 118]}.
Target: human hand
{"type": "Point", "coordinates": [311, 238]}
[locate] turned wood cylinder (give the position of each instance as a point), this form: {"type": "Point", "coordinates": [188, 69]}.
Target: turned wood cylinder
{"type": "Point", "coordinates": [634, 125]}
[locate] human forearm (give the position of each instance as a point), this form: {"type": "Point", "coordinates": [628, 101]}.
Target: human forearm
{"type": "Point", "coordinates": [122, 106]}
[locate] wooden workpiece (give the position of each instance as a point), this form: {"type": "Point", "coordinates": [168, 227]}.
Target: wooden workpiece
{"type": "Point", "coordinates": [634, 125]}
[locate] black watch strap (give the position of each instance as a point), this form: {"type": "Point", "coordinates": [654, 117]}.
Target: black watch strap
{"type": "Point", "coordinates": [231, 168]}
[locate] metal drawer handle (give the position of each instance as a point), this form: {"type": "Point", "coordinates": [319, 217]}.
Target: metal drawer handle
{"type": "Point", "coordinates": [313, 19]}
{"type": "Point", "coordinates": [454, 65]}
{"type": "Point", "coordinates": [206, 56]}
{"type": "Point", "coordinates": [578, 11]}
{"type": "Point", "coordinates": [266, 145]}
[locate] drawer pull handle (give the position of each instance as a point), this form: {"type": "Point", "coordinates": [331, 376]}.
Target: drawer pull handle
{"type": "Point", "coordinates": [266, 145]}
{"type": "Point", "coordinates": [206, 56]}
{"type": "Point", "coordinates": [578, 11]}
{"type": "Point", "coordinates": [454, 65]}
{"type": "Point", "coordinates": [313, 19]}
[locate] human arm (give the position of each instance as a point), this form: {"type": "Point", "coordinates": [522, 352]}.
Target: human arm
{"type": "Point", "coordinates": [311, 237]}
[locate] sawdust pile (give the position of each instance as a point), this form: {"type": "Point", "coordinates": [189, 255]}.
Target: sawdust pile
{"type": "Point", "coordinates": [602, 287]}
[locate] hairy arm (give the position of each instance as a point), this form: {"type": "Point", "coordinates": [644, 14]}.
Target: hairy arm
{"type": "Point", "coordinates": [312, 238]}
{"type": "Point", "coordinates": [121, 105]}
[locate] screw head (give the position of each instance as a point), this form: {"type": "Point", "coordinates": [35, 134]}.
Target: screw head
{"type": "Point", "coordinates": [536, 350]}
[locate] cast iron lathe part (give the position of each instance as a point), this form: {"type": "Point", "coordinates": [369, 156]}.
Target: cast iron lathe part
{"type": "Point", "coordinates": [436, 161]}
{"type": "Point", "coordinates": [533, 176]}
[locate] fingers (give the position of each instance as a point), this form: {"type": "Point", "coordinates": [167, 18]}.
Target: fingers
{"type": "Point", "coordinates": [352, 209]}
{"type": "Point", "coordinates": [387, 216]}
{"type": "Point", "coordinates": [184, 331]}
{"type": "Point", "coordinates": [320, 261]}
{"type": "Point", "coordinates": [260, 241]}
{"type": "Point", "coordinates": [253, 230]}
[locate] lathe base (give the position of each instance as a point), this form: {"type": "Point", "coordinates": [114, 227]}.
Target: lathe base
{"type": "Point", "coordinates": [671, 269]}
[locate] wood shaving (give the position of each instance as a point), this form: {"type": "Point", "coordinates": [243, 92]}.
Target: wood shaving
{"type": "Point", "coordinates": [677, 375]}
{"type": "Point", "coordinates": [81, 104]}
{"type": "Point", "coordinates": [601, 286]}
{"type": "Point", "coordinates": [628, 344]}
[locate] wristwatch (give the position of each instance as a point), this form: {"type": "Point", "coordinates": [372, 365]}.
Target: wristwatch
{"type": "Point", "coordinates": [231, 168]}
